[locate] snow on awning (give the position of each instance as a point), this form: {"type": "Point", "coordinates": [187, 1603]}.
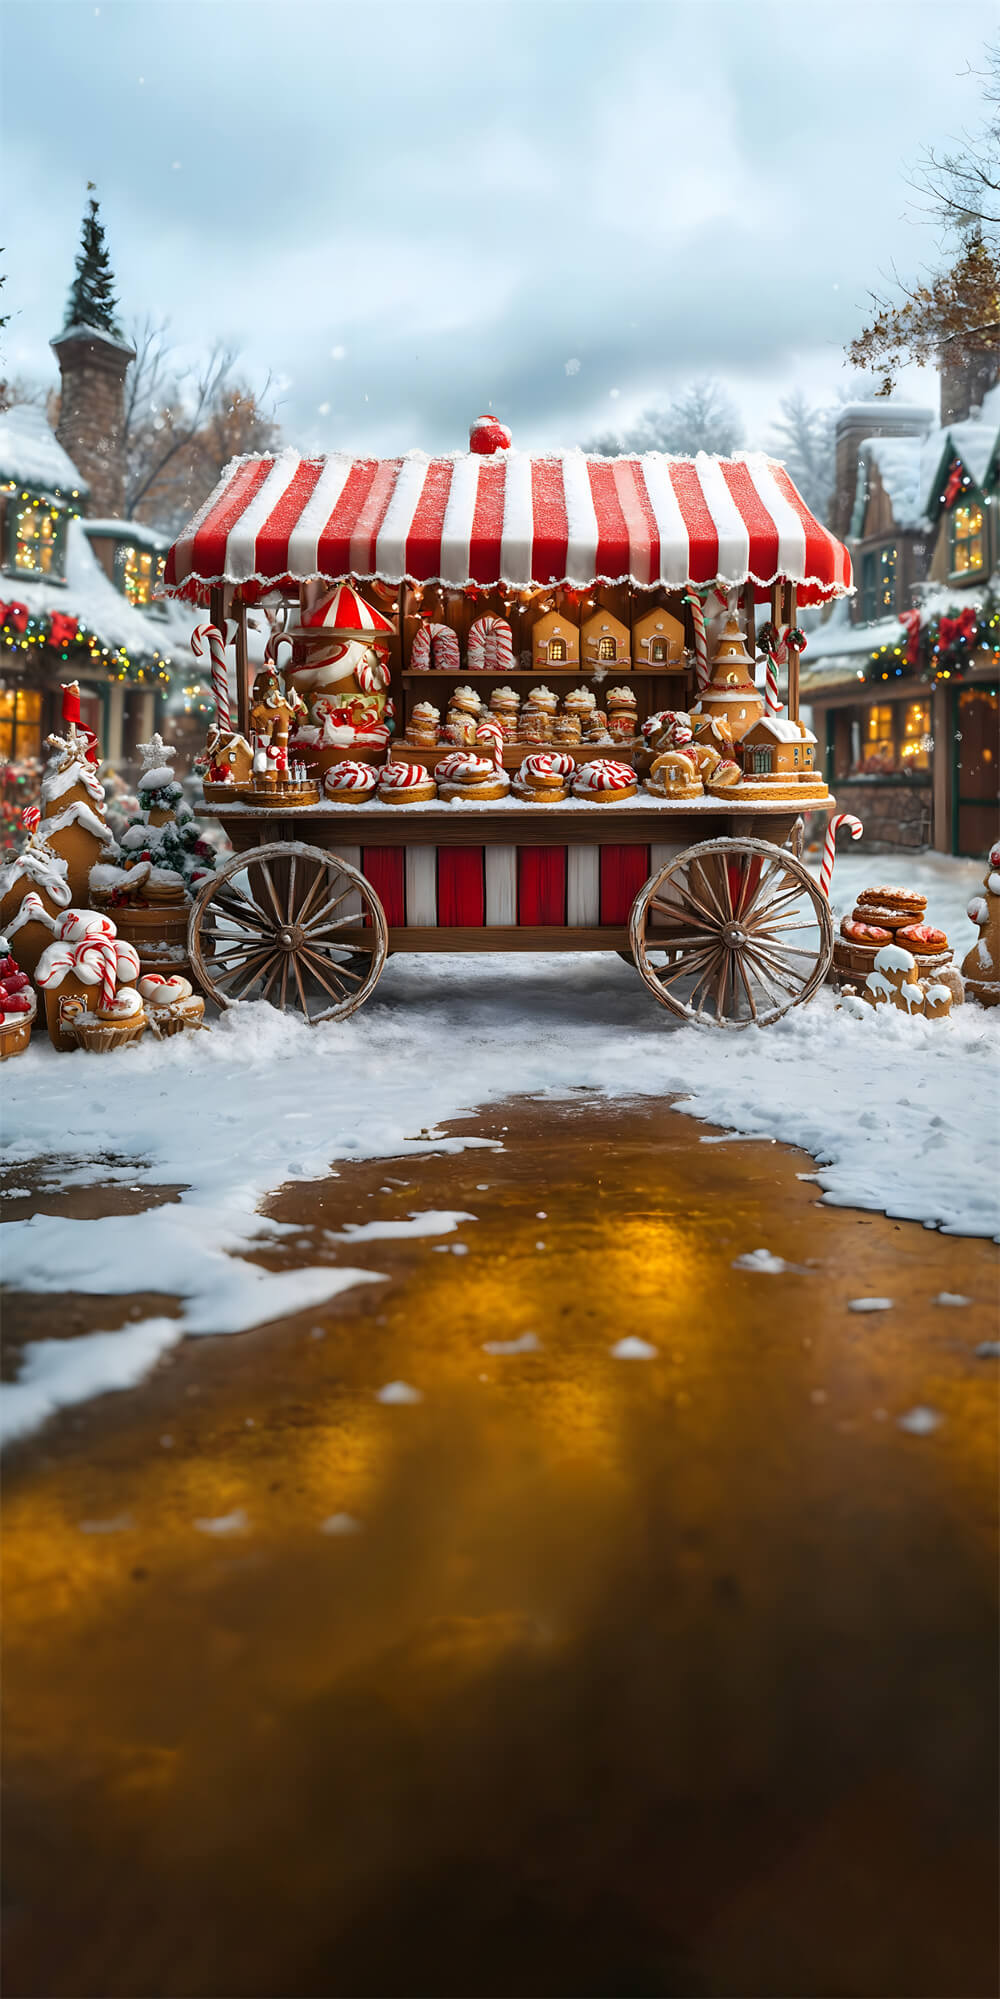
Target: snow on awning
{"type": "Point", "coordinates": [507, 518]}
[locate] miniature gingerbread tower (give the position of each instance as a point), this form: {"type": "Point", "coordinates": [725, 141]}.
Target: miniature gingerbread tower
{"type": "Point", "coordinates": [730, 695]}
{"type": "Point", "coordinates": [72, 821]}
{"type": "Point", "coordinates": [34, 893]}
{"type": "Point", "coordinates": [981, 968]}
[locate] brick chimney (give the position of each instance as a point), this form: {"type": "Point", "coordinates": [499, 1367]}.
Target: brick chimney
{"type": "Point", "coordinates": [93, 365]}
{"type": "Point", "coordinates": [964, 383]}
{"type": "Point", "coordinates": [881, 418]}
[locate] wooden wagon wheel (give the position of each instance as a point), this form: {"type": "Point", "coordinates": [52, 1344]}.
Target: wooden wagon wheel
{"type": "Point", "coordinates": [290, 924]}
{"type": "Point", "coordinates": [733, 932]}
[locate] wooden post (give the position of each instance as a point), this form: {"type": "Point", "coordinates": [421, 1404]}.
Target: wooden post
{"type": "Point", "coordinates": [242, 672]}
{"type": "Point", "coordinates": [793, 657]}
{"type": "Point", "coordinates": [749, 619]}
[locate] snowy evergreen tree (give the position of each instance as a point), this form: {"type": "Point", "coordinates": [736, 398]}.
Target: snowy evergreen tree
{"type": "Point", "coordinates": [701, 418]}
{"type": "Point", "coordinates": [164, 832]}
{"type": "Point", "coordinates": [92, 300]}
{"type": "Point", "coordinates": [803, 438]}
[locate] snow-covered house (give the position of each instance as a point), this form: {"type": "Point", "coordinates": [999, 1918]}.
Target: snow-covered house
{"type": "Point", "coordinates": [902, 684]}
{"type": "Point", "coordinates": [63, 614]}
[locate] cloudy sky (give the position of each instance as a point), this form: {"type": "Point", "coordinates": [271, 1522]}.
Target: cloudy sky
{"type": "Point", "coordinates": [408, 214]}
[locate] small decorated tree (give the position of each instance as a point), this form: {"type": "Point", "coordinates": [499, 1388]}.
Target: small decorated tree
{"type": "Point", "coordinates": [92, 300]}
{"type": "Point", "coordinates": [981, 968]}
{"type": "Point", "coordinates": [160, 856]}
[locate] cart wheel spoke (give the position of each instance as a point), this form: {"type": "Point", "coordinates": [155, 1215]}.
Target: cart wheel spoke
{"type": "Point", "coordinates": [257, 973]}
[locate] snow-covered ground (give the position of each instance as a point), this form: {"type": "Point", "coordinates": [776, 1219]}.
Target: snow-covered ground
{"type": "Point", "coordinates": [900, 1115]}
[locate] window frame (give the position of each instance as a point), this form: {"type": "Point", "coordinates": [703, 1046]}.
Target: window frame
{"type": "Point", "coordinates": [135, 546]}
{"type": "Point", "coordinates": [966, 504]}
{"type": "Point", "coordinates": [16, 723]}
{"type": "Point", "coordinates": [25, 499]}
{"type": "Point", "coordinates": [879, 581]}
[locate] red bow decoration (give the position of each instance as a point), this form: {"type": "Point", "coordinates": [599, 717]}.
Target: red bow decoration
{"type": "Point", "coordinates": [14, 614]}
{"type": "Point", "coordinates": [953, 631]}
{"type": "Point", "coordinates": [954, 486]}
{"type": "Point", "coordinates": [62, 629]}
{"type": "Point", "coordinates": [910, 621]}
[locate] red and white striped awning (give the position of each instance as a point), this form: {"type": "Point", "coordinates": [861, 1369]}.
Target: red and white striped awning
{"type": "Point", "coordinates": [507, 518]}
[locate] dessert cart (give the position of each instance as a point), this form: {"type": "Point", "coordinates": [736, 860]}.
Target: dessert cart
{"type": "Point", "coordinates": [706, 896]}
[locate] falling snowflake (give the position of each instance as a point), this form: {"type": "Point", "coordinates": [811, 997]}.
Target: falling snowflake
{"type": "Point", "coordinates": [337, 353]}
{"type": "Point", "coordinates": [572, 366]}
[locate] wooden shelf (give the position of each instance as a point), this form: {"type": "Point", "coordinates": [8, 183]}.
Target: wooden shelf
{"type": "Point", "coordinates": [541, 673]}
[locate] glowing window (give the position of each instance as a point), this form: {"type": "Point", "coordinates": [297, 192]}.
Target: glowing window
{"type": "Point", "coordinates": [917, 744]}
{"type": "Point", "coordinates": [20, 723]}
{"type": "Point", "coordinates": [142, 572]}
{"type": "Point", "coordinates": [966, 539]}
{"type": "Point", "coordinates": [607, 649]}
{"type": "Point", "coordinates": [557, 649]}
{"type": "Point", "coordinates": [37, 540]}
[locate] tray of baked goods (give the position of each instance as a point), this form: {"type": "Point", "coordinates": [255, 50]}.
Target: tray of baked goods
{"type": "Point", "coordinates": [574, 722]}
{"type": "Point", "coordinates": [884, 916]}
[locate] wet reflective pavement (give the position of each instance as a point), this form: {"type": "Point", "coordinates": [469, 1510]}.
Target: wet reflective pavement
{"type": "Point", "coordinates": [663, 1676]}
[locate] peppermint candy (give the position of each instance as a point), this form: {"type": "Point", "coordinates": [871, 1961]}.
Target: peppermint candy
{"type": "Point", "coordinates": [554, 765]}
{"type": "Point", "coordinates": [460, 769]}
{"type": "Point", "coordinates": [403, 777]}
{"type": "Point", "coordinates": [604, 774]}
{"type": "Point", "coordinates": [351, 777]}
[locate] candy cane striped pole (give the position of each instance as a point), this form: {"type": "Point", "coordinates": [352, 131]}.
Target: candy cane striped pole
{"type": "Point", "coordinates": [211, 636]}
{"type": "Point", "coordinates": [700, 640]}
{"type": "Point", "coordinates": [830, 848]}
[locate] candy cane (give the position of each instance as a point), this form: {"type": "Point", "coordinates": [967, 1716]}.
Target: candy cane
{"type": "Point", "coordinates": [830, 848]}
{"type": "Point", "coordinates": [435, 643]}
{"type": "Point", "coordinates": [210, 635]}
{"type": "Point", "coordinates": [96, 956]}
{"type": "Point", "coordinates": [772, 699]}
{"type": "Point", "coordinates": [491, 646]}
{"type": "Point", "coordinates": [700, 640]}
{"type": "Point", "coordinates": [30, 818]}
{"type": "Point", "coordinates": [490, 735]}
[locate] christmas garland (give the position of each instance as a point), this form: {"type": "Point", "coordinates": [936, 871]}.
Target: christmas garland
{"type": "Point", "coordinates": [71, 638]}
{"type": "Point", "coordinates": [941, 647]}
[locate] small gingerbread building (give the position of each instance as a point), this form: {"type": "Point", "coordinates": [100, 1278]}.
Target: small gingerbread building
{"type": "Point", "coordinates": [658, 640]}
{"type": "Point", "coordinates": [730, 692]}
{"type": "Point", "coordinates": [229, 757]}
{"type": "Point", "coordinates": [555, 641]}
{"type": "Point", "coordinates": [774, 746]}
{"type": "Point", "coordinates": [604, 640]}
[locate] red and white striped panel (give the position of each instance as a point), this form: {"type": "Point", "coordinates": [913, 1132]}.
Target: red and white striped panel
{"type": "Point", "coordinates": [445, 888]}
{"type": "Point", "coordinates": [508, 519]}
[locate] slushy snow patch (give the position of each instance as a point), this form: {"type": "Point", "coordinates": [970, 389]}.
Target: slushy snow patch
{"type": "Point", "coordinates": [527, 1343]}
{"type": "Point", "coordinates": [225, 1523]}
{"type": "Point", "coordinates": [632, 1348]}
{"type": "Point", "coordinates": [920, 1422]}
{"type": "Point", "coordinates": [869, 1304]}
{"type": "Point", "coordinates": [398, 1392]}
{"type": "Point", "coordinates": [340, 1523]}
{"type": "Point", "coordinates": [764, 1263]}
{"type": "Point", "coordinates": [951, 1298]}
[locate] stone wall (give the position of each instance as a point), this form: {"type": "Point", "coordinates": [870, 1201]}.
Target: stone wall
{"type": "Point", "coordinates": [91, 415]}
{"type": "Point", "coordinates": [893, 815]}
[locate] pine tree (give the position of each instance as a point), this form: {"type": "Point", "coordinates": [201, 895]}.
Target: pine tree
{"type": "Point", "coordinates": [92, 300]}
{"type": "Point", "coordinates": [163, 833]}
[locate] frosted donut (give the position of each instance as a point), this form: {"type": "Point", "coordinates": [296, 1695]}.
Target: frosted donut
{"type": "Point", "coordinates": [922, 937]}
{"type": "Point", "coordinates": [894, 898]}
{"type": "Point", "coordinates": [545, 771]}
{"type": "Point", "coordinates": [604, 780]}
{"type": "Point", "coordinates": [864, 933]}
{"type": "Point", "coordinates": [353, 781]}
{"type": "Point", "coordinates": [468, 776]}
{"type": "Point", "coordinates": [437, 644]}
{"type": "Point", "coordinates": [490, 647]}
{"type": "Point", "coordinates": [125, 1005]}
{"type": "Point", "coordinates": [405, 784]}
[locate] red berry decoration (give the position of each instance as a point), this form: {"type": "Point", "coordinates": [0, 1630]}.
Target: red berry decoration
{"type": "Point", "coordinates": [16, 1003]}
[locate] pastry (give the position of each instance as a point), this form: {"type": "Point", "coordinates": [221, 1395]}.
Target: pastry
{"type": "Point", "coordinates": [567, 729]}
{"type": "Point", "coordinates": [350, 783]}
{"type": "Point", "coordinates": [668, 729]}
{"type": "Point", "coordinates": [465, 701]}
{"type": "Point", "coordinates": [543, 780]}
{"type": "Point", "coordinates": [622, 720]}
{"type": "Point", "coordinates": [604, 782]}
{"type": "Point", "coordinates": [582, 701]}
{"type": "Point", "coordinates": [888, 917]}
{"type": "Point", "coordinates": [471, 778]}
{"type": "Point", "coordinates": [596, 727]}
{"type": "Point", "coordinates": [405, 784]}
{"type": "Point", "coordinates": [172, 1004]}
{"type": "Point", "coordinates": [423, 729]}
{"type": "Point", "coordinates": [464, 711]}
{"type": "Point", "coordinates": [725, 777]}
{"type": "Point", "coordinates": [533, 726]}
{"type": "Point", "coordinates": [937, 1000]}
{"type": "Point", "coordinates": [674, 775]}
{"type": "Point", "coordinates": [543, 699]}
{"type": "Point", "coordinates": [864, 933]}
{"type": "Point", "coordinates": [922, 938]}
{"type": "Point", "coordinates": [896, 898]}
{"type": "Point", "coordinates": [505, 706]}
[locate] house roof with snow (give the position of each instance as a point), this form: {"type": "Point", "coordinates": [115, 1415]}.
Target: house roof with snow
{"type": "Point", "coordinates": [31, 454]}
{"type": "Point", "coordinates": [974, 441]}
{"type": "Point", "coordinates": [782, 729]}
{"type": "Point", "coordinates": [84, 592]}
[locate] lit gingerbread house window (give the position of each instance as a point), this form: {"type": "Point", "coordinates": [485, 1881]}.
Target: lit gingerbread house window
{"type": "Point", "coordinates": [554, 641]}
{"type": "Point", "coordinates": [604, 640]}
{"type": "Point", "coordinates": [658, 640]}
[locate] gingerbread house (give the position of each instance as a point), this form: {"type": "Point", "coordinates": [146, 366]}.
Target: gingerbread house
{"type": "Point", "coordinates": [604, 640]}
{"type": "Point", "coordinates": [555, 642]}
{"type": "Point", "coordinates": [231, 755]}
{"type": "Point", "coordinates": [731, 694]}
{"type": "Point", "coordinates": [776, 747]}
{"type": "Point", "coordinates": [658, 640]}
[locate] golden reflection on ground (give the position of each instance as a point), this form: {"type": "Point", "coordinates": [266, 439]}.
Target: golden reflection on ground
{"type": "Point", "coordinates": [667, 1676]}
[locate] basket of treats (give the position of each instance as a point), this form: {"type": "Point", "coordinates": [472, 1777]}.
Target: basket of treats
{"type": "Point", "coordinates": [18, 1005]}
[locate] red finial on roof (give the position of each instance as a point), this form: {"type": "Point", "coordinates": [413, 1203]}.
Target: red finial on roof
{"type": "Point", "coordinates": [487, 435]}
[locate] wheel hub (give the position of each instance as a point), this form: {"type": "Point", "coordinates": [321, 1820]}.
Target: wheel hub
{"type": "Point", "coordinates": [734, 935]}
{"type": "Point", "coordinates": [289, 937]}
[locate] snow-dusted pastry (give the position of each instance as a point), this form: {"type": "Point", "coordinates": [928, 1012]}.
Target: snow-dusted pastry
{"type": "Point", "coordinates": [567, 729]}
{"type": "Point", "coordinates": [622, 719]}
{"type": "Point", "coordinates": [674, 775]}
{"type": "Point", "coordinates": [595, 729]}
{"type": "Point", "coordinates": [543, 699]}
{"type": "Point", "coordinates": [581, 701]}
{"type": "Point", "coordinates": [668, 729]}
{"type": "Point", "coordinates": [706, 759]}
{"type": "Point", "coordinates": [423, 729]}
{"type": "Point", "coordinates": [172, 1005]}
{"type": "Point", "coordinates": [534, 724]}
{"type": "Point", "coordinates": [350, 783]}
{"type": "Point", "coordinates": [405, 784]}
{"type": "Point", "coordinates": [505, 706]}
{"type": "Point", "coordinates": [908, 903]}
{"type": "Point", "coordinates": [472, 778]}
{"type": "Point", "coordinates": [544, 779]}
{"type": "Point", "coordinates": [604, 782]}
{"type": "Point", "coordinates": [724, 778]}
